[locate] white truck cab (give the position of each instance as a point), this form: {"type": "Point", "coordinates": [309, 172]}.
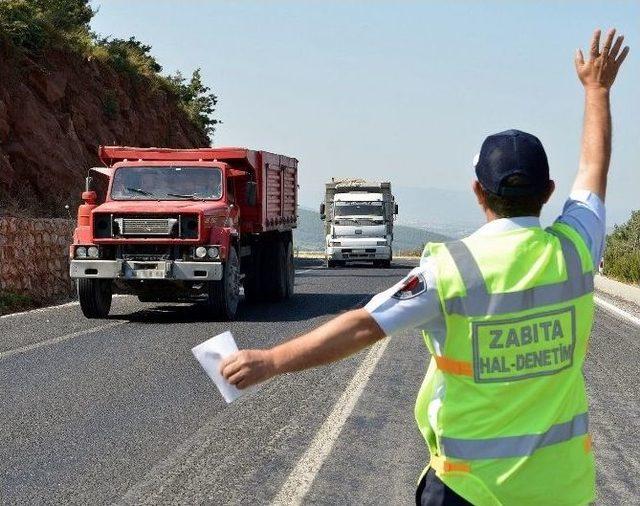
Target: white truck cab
{"type": "Point", "coordinates": [359, 222]}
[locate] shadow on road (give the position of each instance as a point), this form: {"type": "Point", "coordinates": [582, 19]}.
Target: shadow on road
{"type": "Point", "coordinates": [303, 306]}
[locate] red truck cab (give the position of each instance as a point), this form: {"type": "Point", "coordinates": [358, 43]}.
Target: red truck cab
{"type": "Point", "coordinates": [180, 225]}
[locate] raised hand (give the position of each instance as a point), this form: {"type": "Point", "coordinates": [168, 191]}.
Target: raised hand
{"type": "Point", "coordinates": [602, 67]}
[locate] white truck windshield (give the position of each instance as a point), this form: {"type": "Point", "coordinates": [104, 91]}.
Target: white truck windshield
{"type": "Point", "coordinates": [358, 208]}
{"type": "Point", "coordinates": [167, 183]}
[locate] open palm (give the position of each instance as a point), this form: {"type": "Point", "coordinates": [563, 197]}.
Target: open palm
{"type": "Point", "coordinates": [602, 67]}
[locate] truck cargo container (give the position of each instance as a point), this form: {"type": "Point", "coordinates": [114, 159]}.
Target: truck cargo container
{"type": "Point", "coordinates": [184, 225]}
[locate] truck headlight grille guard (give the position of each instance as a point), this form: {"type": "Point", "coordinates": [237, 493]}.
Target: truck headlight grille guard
{"type": "Point", "coordinates": [188, 226]}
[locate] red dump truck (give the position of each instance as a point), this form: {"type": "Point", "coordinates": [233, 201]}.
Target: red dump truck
{"type": "Point", "coordinates": [186, 225]}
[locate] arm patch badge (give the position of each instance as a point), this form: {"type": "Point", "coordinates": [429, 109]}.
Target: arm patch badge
{"type": "Point", "coordinates": [412, 286]}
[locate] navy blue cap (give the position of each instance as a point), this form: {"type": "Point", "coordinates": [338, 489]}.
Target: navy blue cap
{"type": "Point", "coordinates": [509, 153]}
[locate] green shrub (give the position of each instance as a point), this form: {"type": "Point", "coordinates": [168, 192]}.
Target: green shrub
{"type": "Point", "coordinates": [31, 24]}
{"type": "Point", "coordinates": [110, 105]}
{"type": "Point", "coordinates": [12, 302]}
{"type": "Point", "coordinates": [23, 24]}
{"type": "Point", "coordinates": [130, 56]}
{"type": "Point", "coordinates": [65, 15]}
{"type": "Point", "coordinates": [622, 251]}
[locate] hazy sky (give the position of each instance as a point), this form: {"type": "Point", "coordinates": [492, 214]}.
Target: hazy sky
{"type": "Point", "coordinates": [403, 90]}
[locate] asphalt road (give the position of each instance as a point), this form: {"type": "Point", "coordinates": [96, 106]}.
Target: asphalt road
{"type": "Point", "coordinates": [119, 411]}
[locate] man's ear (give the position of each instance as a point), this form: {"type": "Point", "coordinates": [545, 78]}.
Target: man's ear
{"type": "Point", "coordinates": [480, 196]}
{"type": "Point", "coordinates": [552, 187]}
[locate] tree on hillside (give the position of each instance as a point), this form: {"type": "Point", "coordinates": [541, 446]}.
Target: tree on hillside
{"type": "Point", "coordinates": [197, 100]}
{"type": "Point", "coordinates": [66, 15]}
{"type": "Point", "coordinates": [622, 252]}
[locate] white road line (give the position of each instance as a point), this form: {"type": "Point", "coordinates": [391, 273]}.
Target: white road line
{"type": "Point", "coordinates": [616, 310]}
{"type": "Point", "coordinates": [309, 270]}
{"type": "Point", "coordinates": [39, 310]}
{"type": "Point", "coordinates": [55, 340]}
{"type": "Point", "coordinates": [48, 308]}
{"type": "Point", "coordinates": [299, 481]}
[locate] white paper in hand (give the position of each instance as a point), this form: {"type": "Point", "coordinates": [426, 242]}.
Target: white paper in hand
{"type": "Point", "coordinates": [210, 354]}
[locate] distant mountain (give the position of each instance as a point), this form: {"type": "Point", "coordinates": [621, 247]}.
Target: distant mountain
{"type": "Point", "coordinates": [310, 234]}
{"type": "Point", "coordinates": [452, 213]}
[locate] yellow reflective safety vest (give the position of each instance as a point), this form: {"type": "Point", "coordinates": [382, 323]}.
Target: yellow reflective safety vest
{"type": "Point", "coordinates": [503, 406]}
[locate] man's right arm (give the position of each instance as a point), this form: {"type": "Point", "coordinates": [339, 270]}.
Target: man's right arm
{"type": "Point", "coordinates": [597, 75]}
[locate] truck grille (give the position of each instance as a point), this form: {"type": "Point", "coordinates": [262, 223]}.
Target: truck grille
{"type": "Point", "coordinates": [147, 226]}
{"type": "Point", "coordinates": [149, 252]}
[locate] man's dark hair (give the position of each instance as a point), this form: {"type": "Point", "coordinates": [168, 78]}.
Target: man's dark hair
{"type": "Point", "coordinates": [511, 207]}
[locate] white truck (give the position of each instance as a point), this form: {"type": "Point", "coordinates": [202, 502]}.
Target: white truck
{"type": "Point", "coordinates": [358, 218]}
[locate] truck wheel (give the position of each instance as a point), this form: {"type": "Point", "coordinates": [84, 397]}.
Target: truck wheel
{"type": "Point", "coordinates": [253, 281]}
{"type": "Point", "coordinates": [276, 271]}
{"type": "Point", "coordinates": [290, 270]}
{"type": "Point", "coordinates": [95, 297]}
{"type": "Point", "coordinates": [224, 295]}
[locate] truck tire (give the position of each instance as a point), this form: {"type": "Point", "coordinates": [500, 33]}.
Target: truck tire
{"type": "Point", "coordinates": [275, 272]}
{"type": "Point", "coordinates": [290, 270]}
{"type": "Point", "coordinates": [253, 281]}
{"type": "Point", "coordinates": [224, 295]}
{"type": "Point", "coordinates": [95, 297]}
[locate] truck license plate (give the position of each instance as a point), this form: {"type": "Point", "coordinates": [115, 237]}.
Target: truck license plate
{"type": "Point", "coordinates": [147, 273]}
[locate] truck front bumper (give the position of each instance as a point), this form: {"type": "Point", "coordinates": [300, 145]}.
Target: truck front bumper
{"type": "Point", "coordinates": [164, 269]}
{"type": "Point", "coordinates": [347, 253]}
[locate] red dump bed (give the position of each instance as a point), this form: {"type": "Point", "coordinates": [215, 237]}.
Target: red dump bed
{"type": "Point", "coordinates": [276, 177]}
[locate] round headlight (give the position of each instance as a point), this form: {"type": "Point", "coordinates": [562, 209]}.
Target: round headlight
{"type": "Point", "coordinates": [213, 252]}
{"type": "Point", "coordinates": [92, 252]}
{"type": "Point", "coordinates": [201, 252]}
{"type": "Point", "coordinates": [81, 252]}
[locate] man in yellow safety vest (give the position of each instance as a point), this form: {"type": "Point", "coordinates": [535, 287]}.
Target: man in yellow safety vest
{"type": "Point", "coordinates": [506, 314]}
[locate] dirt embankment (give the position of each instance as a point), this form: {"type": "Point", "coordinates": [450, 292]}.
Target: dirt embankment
{"type": "Point", "coordinates": [56, 110]}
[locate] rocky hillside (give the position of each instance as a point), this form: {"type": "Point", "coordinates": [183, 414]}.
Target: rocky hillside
{"type": "Point", "coordinates": [55, 109]}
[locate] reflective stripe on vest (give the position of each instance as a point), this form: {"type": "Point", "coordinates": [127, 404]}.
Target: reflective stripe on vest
{"type": "Point", "coordinates": [446, 364]}
{"type": "Point", "coordinates": [514, 446]}
{"type": "Point", "coordinates": [479, 302]}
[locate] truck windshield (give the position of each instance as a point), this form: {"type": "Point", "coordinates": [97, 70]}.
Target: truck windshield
{"type": "Point", "coordinates": [167, 183]}
{"type": "Point", "coordinates": [358, 209]}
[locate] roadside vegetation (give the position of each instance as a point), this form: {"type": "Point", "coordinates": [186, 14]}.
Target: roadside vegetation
{"type": "Point", "coordinates": [622, 251]}
{"type": "Point", "coordinates": [415, 252]}
{"type": "Point", "coordinates": [33, 26]}
{"type": "Point", "coordinates": [13, 302]}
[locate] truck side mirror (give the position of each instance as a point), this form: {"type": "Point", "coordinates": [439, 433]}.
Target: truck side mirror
{"type": "Point", "coordinates": [322, 211]}
{"type": "Point", "coordinates": [252, 189]}
{"type": "Point", "coordinates": [395, 210]}
{"type": "Point", "coordinates": [90, 197]}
